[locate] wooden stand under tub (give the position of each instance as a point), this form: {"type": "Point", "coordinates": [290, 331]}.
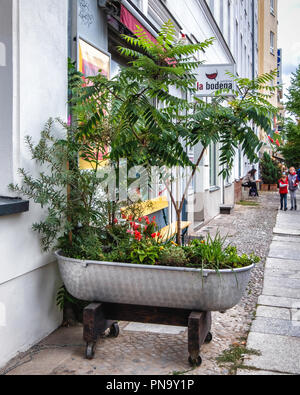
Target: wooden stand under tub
{"type": "Point", "coordinates": [98, 317]}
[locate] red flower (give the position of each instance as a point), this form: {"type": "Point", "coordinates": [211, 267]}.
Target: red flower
{"type": "Point", "coordinates": [115, 221]}
{"type": "Point", "coordinates": [277, 143]}
{"type": "Point", "coordinates": [153, 235]}
{"type": "Point", "coordinates": [124, 216]}
{"type": "Point", "coordinates": [272, 141]}
{"type": "Point", "coordinates": [138, 236]}
{"type": "Point", "coordinates": [136, 227]}
{"type": "Point", "coordinates": [140, 219]}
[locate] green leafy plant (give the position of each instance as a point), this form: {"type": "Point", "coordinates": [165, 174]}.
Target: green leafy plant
{"type": "Point", "coordinates": [145, 253]}
{"type": "Point", "coordinates": [291, 127]}
{"type": "Point", "coordinates": [233, 358]}
{"type": "Point", "coordinates": [214, 253]}
{"type": "Point", "coordinates": [139, 247]}
{"type": "Point", "coordinates": [74, 210]}
{"type": "Point", "coordinates": [153, 127]}
{"type": "Point", "coordinates": [270, 170]}
{"type": "Point", "coordinates": [172, 255]}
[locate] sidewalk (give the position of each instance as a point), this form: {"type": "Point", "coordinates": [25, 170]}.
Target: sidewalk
{"type": "Point", "coordinates": [275, 332]}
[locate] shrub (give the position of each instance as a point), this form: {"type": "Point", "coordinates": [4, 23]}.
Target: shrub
{"type": "Point", "coordinates": [173, 256]}
{"type": "Point", "coordinates": [270, 170]}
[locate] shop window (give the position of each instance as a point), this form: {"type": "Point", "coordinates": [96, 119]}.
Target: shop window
{"type": "Point", "coordinates": [272, 42]}
{"type": "Point", "coordinates": [115, 68]}
{"type": "Point", "coordinates": [272, 7]}
{"type": "Point", "coordinates": [213, 165]}
{"type": "Point", "coordinates": [240, 163]}
{"type": "Point", "coordinates": [137, 3]}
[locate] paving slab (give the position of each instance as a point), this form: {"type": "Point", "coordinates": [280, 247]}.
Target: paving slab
{"type": "Point", "coordinates": [283, 282]}
{"type": "Point", "coordinates": [277, 263]}
{"type": "Point", "coordinates": [284, 238]}
{"type": "Point", "coordinates": [287, 223]}
{"type": "Point", "coordinates": [286, 231]}
{"type": "Point", "coordinates": [289, 274]}
{"type": "Point", "coordinates": [278, 353]}
{"type": "Point", "coordinates": [276, 326]}
{"type": "Point", "coordinates": [281, 292]}
{"type": "Point", "coordinates": [278, 301]}
{"type": "Point", "coordinates": [289, 217]}
{"type": "Point", "coordinates": [289, 250]}
{"type": "Point", "coordinates": [245, 372]}
{"type": "Point", "coordinates": [153, 328]}
{"type": "Point", "coordinates": [274, 312]}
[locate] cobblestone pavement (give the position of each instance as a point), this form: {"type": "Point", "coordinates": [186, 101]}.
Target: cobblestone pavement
{"type": "Point", "coordinates": [140, 353]}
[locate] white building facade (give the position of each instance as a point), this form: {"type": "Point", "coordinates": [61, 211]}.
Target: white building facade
{"type": "Point", "coordinates": [238, 21]}
{"type": "Point", "coordinates": [33, 80]}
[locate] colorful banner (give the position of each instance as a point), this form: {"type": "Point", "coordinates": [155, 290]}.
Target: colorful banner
{"type": "Point", "coordinates": [91, 60]}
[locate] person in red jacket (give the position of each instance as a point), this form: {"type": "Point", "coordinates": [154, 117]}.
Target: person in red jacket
{"type": "Point", "coordinates": [283, 190]}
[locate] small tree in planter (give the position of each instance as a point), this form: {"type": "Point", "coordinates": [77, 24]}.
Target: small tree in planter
{"type": "Point", "coordinates": [155, 128]}
{"type": "Point", "coordinates": [270, 172]}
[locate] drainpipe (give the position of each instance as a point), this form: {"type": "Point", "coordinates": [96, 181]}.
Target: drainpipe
{"type": "Point", "coordinates": [253, 39]}
{"type": "Point", "coordinates": [253, 49]}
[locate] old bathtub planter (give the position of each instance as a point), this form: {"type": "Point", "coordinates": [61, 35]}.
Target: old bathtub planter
{"type": "Point", "coordinates": [152, 294]}
{"type": "Point", "coordinates": [181, 288]}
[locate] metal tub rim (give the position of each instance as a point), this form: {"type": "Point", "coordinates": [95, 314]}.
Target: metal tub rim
{"type": "Point", "coordinates": [205, 272]}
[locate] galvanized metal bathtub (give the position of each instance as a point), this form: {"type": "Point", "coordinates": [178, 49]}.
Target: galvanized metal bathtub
{"type": "Point", "coordinates": [181, 288]}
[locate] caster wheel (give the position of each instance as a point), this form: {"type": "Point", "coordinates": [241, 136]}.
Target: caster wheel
{"type": "Point", "coordinates": [114, 330]}
{"type": "Point", "coordinates": [208, 338]}
{"type": "Point", "coordinates": [195, 362]}
{"type": "Point", "coordinates": [90, 350]}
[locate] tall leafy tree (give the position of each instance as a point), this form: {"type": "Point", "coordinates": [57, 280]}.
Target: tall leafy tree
{"type": "Point", "coordinates": [291, 128]}
{"type": "Point", "coordinates": [291, 149]}
{"type": "Point", "coordinates": [293, 96]}
{"type": "Point", "coordinates": [155, 116]}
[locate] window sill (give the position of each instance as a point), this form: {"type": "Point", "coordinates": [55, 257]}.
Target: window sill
{"type": "Point", "coordinates": [10, 206]}
{"type": "Point", "coordinates": [228, 185]}
{"type": "Point", "coordinates": [214, 189]}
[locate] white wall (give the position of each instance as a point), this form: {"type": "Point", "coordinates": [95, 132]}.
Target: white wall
{"type": "Point", "coordinates": [27, 310]}
{"type": "Point", "coordinates": [28, 278]}
{"type": "Point", "coordinates": [194, 21]}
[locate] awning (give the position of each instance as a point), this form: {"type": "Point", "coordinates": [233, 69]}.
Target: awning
{"type": "Point", "coordinates": [131, 22]}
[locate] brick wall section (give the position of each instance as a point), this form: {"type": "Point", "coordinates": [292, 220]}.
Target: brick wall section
{"type": "Point", "coordinates": [237, 191]}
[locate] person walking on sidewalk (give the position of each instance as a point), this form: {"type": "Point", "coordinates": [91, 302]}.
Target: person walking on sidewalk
{"type": "Point", "coordinates": [283, 190]}
{"type": "Point", "coordinates": [293, 186]}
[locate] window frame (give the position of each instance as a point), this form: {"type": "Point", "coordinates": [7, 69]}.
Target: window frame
{"type": "Point", "coordinates": [272, 7]}
{"type": "Point", "coordinates": [213, 182]}
{"type": "Point", "coordinates": [272, 42]}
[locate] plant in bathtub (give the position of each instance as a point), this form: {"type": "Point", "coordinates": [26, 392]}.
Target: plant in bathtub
{"type": "Point", "coordinates": [91, 239]}
{"type": "Point", "coordinates": [121, 114]}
